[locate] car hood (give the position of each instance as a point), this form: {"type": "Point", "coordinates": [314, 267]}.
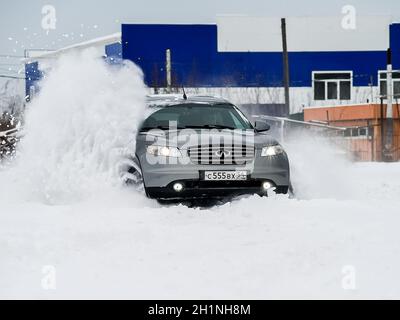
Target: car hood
{"type": "Point", "coordinates": [186, 138]}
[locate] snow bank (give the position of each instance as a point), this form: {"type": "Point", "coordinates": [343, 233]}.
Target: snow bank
{"type": "Point", "coordinates": [76, 129]}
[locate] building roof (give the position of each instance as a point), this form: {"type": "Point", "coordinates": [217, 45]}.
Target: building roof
{"type": "Point", "coordinates": [101, 41]}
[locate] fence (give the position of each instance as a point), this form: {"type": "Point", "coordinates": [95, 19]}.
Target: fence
{"type": "Point", "coordinates": [357, 142]}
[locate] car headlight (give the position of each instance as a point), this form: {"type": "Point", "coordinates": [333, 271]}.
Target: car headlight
{"type": "Point", "coordinates": [164, 151]}
{"type": "Point", "coordinates": [271, 151]}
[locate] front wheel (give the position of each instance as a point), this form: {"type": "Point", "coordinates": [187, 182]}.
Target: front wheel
{"type": "Point", "coordinates": [131, 174]}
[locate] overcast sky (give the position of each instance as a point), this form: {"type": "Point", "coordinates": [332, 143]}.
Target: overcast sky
{"type": "Point", "coordinates": [80, 20]}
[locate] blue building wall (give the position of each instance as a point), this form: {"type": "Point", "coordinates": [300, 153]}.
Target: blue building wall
{"type": "Point", "coordinates": [395, 44]}
{"type": "Point", "coordinates": [32, 76]}
{"type": "Point", "coordinates": [113, 53]}
{"type": "Point", "coordinates": [197, 62]}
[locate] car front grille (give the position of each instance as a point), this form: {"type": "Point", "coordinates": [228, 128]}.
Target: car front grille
{"type": "Point", "coordinates": [217, 154]}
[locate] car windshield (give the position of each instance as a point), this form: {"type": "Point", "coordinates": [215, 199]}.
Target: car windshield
{"type": "Point", "coordinates": [219, 116]}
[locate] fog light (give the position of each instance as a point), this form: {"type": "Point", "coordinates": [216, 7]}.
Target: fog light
{"type": "Point", "coordinates": [267, 185]}
{"type": "Point", "coordinates": [178, 187]}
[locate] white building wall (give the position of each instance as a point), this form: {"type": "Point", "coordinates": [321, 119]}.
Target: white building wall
{"type": "Point", "coordinates": [304, 34]}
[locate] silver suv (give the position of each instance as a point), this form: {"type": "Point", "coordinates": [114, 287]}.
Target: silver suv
{"type": "Point", "coordinates": [204, 147]}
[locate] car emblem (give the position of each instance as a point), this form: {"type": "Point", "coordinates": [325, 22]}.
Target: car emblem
{"type": "Point", "coordinates": [222, 153]}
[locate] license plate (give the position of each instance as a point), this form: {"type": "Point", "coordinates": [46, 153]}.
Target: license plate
{"type": "Point", "coordinates": [225, 175]}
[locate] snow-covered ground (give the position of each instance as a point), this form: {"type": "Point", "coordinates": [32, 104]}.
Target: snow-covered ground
{"type": "Point", "coordinates": [122, 245]}
{"type": "Point", "coordinates": [69, 230]}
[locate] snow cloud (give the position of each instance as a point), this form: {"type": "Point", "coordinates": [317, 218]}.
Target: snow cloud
{"type": "Point", "coordinates": [77, 127]}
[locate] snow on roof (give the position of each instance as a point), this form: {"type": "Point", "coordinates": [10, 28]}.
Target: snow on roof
{"type": "Point", "coordinates": [101, 41]}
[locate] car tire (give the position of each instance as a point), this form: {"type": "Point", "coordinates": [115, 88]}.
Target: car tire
{"type": "Point", "coordinates": [131, 173]}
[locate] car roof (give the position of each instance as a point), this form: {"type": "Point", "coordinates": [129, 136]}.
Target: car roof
{"type": "Point", "coordinates": [165, 100]}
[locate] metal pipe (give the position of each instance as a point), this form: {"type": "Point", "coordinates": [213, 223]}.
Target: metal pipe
{"type": "Point", "coordinates": [168, 68]}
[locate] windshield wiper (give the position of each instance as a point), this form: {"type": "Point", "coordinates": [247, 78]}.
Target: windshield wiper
{"type": "Point", "coordinates": [207, 126]}
{"type": "Point", "coordinates": [211, 126]}
{"type": "Point", "coordinates": [161, 128]}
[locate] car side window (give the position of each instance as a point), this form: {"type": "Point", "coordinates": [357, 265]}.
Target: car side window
{"type": "Point", "coordinates": [238, 123]}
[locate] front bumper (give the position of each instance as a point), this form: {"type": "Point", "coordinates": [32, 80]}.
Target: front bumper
{"type": "Point", "coordinates": [159, 179]}
{"type": "Point", "coordinates": [194, 189]}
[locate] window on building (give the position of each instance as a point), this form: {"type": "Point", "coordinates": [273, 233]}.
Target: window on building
{"type": "Point", "coordinates": [383, 83]}
{"type": "Point", "coordinates": [332, 85]}
{"type": "Point", "coordinates": [355, 132]}
{"type": "Point", "coordinates": [361, 132]}
{"type": "Point", "coordinates": [347, 132]}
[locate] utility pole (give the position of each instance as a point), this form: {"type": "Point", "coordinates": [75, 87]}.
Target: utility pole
{"type": "Point", "coordinates": [168, 69]}
{"type": "Point", "coordinates": [382, 131]}
{"type": "Point", "coordinates": [389, 80]}
{"type": "Point", "coordinates": [371, 87]}
{"type": "Point", "coordinates": [387, 150]}
{"type": "Point", "coordinates": [285, 55]}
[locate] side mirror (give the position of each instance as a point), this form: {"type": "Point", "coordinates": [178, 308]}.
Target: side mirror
{"type": "Point", "coordinates": [261, 126]}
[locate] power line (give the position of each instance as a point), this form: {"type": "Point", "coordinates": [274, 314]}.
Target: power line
{"type": "Point", "coordinates": [13, 77]}
{"type": "Point", "coordinates": [10, 56]}
{"type": "Point", "coordinates": [10, 68]}
{"type": "Point", "coordinates": [6, 72]}
{"type": "Point", "coordinates": [20, 78]}
{"type": "Point", "coordinates": [7, 69]}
